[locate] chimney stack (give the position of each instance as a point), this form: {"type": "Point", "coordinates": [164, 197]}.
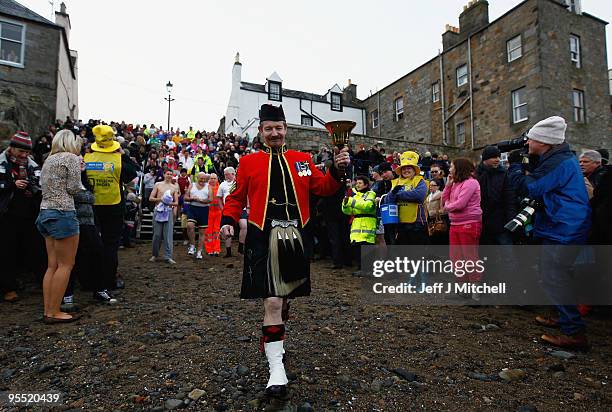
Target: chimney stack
{"type": "Point", "coordinates": [349, 94]}
{"type": "Point", "coordinates": [474, 16]}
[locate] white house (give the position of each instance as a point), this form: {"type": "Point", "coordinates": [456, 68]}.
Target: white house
{"type": "Point", "coordinates": [301, 108]}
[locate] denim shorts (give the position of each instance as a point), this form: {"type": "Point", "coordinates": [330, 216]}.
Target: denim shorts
{"type": "Point", "coordinates": [57, 224]}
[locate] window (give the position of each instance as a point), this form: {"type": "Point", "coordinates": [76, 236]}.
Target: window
{"type": "Point", "coordinates": [435, 92]}
{"type": "Point", "coordinates": [575, 50]}
{"type": "Point", "coordinates": [336, 102]}
{"type": "Point", "coordinates": [306, 120]}
{"type": "Point", "coordinates": [11, 43]}
{"type": "Point", "coordinates": [519, 106]}
{"type": "Point", "coordinates": [578, 104]}
{"type": "Point", "coordinates": [460, 133]}
{"type": "Point", "coordinates": [462, 75]}
{"type": "Point", "coordinates": [275, 91]}
{"type": "Point", "coordinates": [514, 47]}
{"type": "Point", "coordinates": [399, 108]}
{"type": "Point", "coordinates": [374, 119]}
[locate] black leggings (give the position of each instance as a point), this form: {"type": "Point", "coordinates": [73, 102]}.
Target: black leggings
{"type": "Point", "coordinates": [88, 263]}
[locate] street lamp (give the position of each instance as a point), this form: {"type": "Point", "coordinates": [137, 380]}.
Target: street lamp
{"type": "Point", "coordinates": [169, 99]}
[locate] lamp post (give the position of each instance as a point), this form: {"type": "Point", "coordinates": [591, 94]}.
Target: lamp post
{"type": "Point", "coordinates": [169, 99]}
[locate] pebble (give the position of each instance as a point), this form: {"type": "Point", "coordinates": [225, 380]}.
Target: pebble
{"type": "Point", "coordinates": [511, 375]}
{"type": "Point", "coordinates": [376, 385]}
{"type": "Point", "coordinates": [404, 374]}
{"type": "Point", "coordinates": [95, 369]}
{"type": "Point", "coordinates": [578, 396]}
{"type": "Point", "coordinates": [133, 359]}
{"type": "Point", "coordinates": [45, 368]}
{"type": "Point", "coordinates": [8, 373]}
{"type": "Point", "coordinates": [483, 377]}
{"type": "Point", "coordinates": [243, 339]}
{"type": "Point", "coordinates": [562, 354]}
{"type": "Point", "coordinates": [255, 403]}
{"type": "Point", "coordinates": [196, 394]}
{"type": "Point", "coordinates": [193, 339]}
{"type": "Point", "coordinates": [558, 374]}
{"type": "Point", "coordinates": [305, 407]}
{"type": "Point", "coordinates": [242, 370]}
{"type": "Point", "coordinates": [173, 404]}
{"type": "Point", "coordinates": [527, 408]}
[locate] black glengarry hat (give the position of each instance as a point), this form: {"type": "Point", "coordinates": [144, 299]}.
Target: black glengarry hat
{"type": "Point", "coordinates": [271, 113]}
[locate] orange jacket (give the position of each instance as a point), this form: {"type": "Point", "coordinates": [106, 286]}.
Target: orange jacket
{"type": "Point", "coordinates": [253, 182]}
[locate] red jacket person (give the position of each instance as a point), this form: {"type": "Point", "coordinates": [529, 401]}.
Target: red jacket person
{"type": "Point", "coordinates": [277, 183]}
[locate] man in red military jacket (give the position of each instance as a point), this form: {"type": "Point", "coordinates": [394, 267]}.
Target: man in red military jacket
{"type": "Point", "coordinates": [277, 183]}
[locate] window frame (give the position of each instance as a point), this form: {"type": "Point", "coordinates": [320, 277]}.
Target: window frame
{"type": "Point", "coordinates": [306, 117]}
{"type": "Point", "coordinates": [377, 122]}
{"type": "Point", "coordinates": [519, 48]}
{"type": "Point", "coordinates": [331, 101]}
{"type": "Point", "coordinates": [457, 134]}
{"type": "Point", "coordinates": [576, 62]}
{"type": "Point", "coordinates": [397, 114]}
{"type": "Point", "coordinates": [435, 92]}
{"type": "Point", "coordinates": [578, 109]}
{"type": "Point", "coordinates": [21, 43]}
{"type": "Point", "coordinates": [517, 107]}
{"type": "Point", "coordinates": [466, 75]}
{"type": "Point", "coordinates": [280, 91]}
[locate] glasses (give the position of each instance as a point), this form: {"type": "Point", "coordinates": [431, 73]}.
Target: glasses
{"type": "Point", "coordinates": [435, 171]}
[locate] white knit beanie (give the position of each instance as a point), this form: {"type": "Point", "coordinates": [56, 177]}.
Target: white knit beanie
{"type": "Point", "coordinates": [549, 131]}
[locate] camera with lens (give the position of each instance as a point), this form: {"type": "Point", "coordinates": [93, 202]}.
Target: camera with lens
{"type": "Point", "coordinates": [509, 145]}
{"type": "Point", "coordinates": [524, 216]}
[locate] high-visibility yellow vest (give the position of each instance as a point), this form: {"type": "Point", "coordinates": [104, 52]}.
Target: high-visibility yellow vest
{"type": "Point", "coordinates": [362, 205]}
{"type": "Point", "coordinates": [104, 174]}
{"type": "Point", "coordinates": [408, 211]}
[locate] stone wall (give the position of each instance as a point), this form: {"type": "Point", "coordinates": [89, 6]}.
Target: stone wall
{"type": "Point", "coordinates": [544, 69]}
{"type": "Point", "coordinates": [560, 76]}
{"type": "Point", "coordinates": [28, 94]}
{"type": "Point", "coordinates": [310, 138]}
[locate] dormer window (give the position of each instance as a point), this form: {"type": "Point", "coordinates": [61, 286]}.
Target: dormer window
{"type": "Point", "coordinates": [336, 102]}
{"type": "Point", "coordinates": [275, 91]}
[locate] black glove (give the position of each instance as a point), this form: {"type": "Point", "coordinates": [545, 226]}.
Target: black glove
{"type": "Point", "coordinates": [397, 189]}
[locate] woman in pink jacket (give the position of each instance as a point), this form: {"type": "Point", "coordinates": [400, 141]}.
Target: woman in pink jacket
{"type": "Point", "coordinates": [461, 199]}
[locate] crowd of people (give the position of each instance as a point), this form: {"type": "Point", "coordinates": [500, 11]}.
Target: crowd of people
{"type": "Point", "coordinates": [75, 197]}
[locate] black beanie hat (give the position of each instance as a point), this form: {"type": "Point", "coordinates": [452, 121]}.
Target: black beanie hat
{"type": "Point", "coordinates": [490, 152]}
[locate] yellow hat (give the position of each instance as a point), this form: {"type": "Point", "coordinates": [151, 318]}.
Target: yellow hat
{"type": "Point", "coordinates": [408, 159]}
{"type": "Point", "coordinates": [105, 141]}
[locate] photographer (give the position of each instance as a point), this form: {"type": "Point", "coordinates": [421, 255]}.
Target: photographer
{"type": "Point", "coordinates": [19, 202]}
{"type": "Point", "coordinates": [563, 219]}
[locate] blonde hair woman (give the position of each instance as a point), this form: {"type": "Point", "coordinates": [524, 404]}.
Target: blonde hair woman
{"type": "Point", "coordinates": [60, 179]}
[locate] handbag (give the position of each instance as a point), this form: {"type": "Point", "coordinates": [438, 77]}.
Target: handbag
{"type": "Point", "coordinates": [437, 226]}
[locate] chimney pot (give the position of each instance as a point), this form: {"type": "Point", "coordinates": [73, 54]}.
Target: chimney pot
{"type": "Point", "coordinates": [63, 8]}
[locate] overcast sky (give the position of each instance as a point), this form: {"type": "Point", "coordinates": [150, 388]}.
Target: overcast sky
{"type": "Point", "coordinates": [128, 50]}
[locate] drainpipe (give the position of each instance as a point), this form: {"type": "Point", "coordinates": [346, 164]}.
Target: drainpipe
{"type": "Point", "coordinates": [471, 97]}
{"type": "Point", "coordinates": [440, 55]}
{"type": "Point", "coordinates": [379, 116]}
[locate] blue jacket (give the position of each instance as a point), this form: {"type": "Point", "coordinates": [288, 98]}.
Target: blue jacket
{"type": "Point", "coordinates": [558, 184]}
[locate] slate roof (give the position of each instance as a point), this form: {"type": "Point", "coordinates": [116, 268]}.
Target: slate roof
{"type": "Point", "coordinates": [296, 94]}
{"type": "Point", "coordinates": [12, 8]}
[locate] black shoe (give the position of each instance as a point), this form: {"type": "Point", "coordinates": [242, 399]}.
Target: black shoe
{"type": "Point", "coordinates": [277, 392]}
{"type": "Point", "coordinates": [104, 297]}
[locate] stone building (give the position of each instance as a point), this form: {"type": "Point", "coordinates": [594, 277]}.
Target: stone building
{"type": "Point", "coordinates": [309, 110]}
{"type": "Point", "coordinates": [38, 71]}
{"type": "Point", "coordinates": [494, 80]}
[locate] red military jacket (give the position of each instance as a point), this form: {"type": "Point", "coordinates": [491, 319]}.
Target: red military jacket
{"type": "Point", "coordinates": [253, 182]}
